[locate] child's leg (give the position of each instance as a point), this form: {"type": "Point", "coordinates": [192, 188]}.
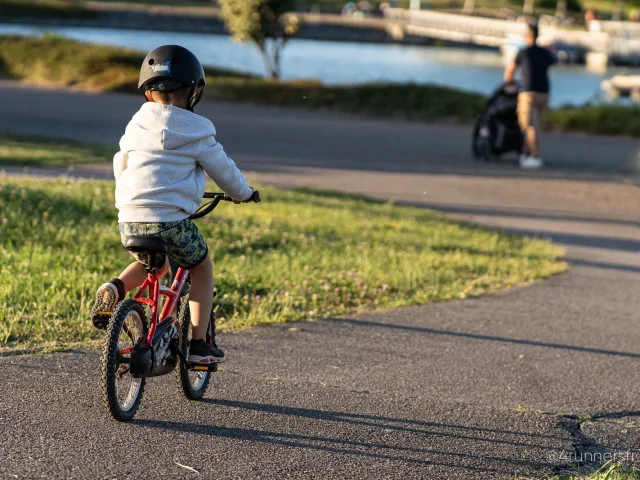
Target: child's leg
{"type": "Point", "coordinates": [114, 291]}
{"type": "Point", "coordinates": [201, 298]}
{"type": "Point", "coordinates": [135, 274]}
{"type": "Point", "coordinates": [200, 303]}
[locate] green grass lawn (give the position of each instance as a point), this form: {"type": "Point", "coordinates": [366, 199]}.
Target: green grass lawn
{"type": "Point", "coordinates": [34, 151]}
{"type": "Point", "coordinates": [298, 255]}
{"type": "Point", "coordinates": [610, 471]}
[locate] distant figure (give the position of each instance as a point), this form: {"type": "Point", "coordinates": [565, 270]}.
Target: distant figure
{"type": "Point", "coordinates": [365, 7]}
{"type": "Point", "coordinates": [381, 8]}
{"type": "Point", "coordinates": [591, 21]}
{"type": "Point", "coordinates": [589, 16]}
{"type": "Point", "coordinates": [348, 9]}
{"type": "Point", "coordinates": [533, 99]}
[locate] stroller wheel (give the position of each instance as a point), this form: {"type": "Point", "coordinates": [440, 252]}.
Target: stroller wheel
{"type": "Point", "coordinates": [492, 157]}
{"type": "Point", "coordinates": [481, 149]}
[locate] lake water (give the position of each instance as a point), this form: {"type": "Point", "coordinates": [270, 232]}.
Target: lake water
{"type": "Point", "coordinates": [345, 62]}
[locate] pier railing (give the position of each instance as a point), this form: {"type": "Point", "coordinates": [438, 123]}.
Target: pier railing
{"type": "Point", "coordinates": [454, 27]}
{"type": "Point", "coordinates": [615, 38]}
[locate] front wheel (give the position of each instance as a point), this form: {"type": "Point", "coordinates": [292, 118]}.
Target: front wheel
{"type": "Point", "coordinates": [121, 392]}
{"type": "Point", "coordinates": [192, 383]}
{"type": "Point", "coordinates": [482, 149]}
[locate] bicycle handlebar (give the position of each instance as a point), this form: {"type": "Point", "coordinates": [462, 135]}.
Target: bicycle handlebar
{"type": "Point", "coordinates": [217, 198]}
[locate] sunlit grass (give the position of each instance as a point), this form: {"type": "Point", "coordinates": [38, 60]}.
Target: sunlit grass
{"type": "Point", "coordinates": [296, 256]}
{"type": "Point", "coordinates": [610, 471]}
{"type": "Point", "coordinates": [34, 151]}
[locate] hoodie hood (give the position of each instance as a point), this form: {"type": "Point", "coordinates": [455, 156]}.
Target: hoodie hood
{"type": "Point", "coordinates": [160, 168]}
{"type": "Point", "coordinates": [165, 127]}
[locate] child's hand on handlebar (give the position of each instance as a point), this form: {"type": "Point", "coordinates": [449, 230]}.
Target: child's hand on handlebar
{"type": "Point", "coordinates": [253, 198]}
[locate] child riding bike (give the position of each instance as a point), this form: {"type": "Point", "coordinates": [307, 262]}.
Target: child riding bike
{"type": "Point", "coordinates": [160, 181]}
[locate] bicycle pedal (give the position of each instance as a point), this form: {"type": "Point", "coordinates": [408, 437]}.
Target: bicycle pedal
{"type": "Point", "coordinates": [203, 368]}
{"type": "Point", "coordinates": [101, 320]}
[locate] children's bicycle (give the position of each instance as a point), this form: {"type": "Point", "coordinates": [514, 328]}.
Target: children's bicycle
{"type": "Point", "coordinates": [138, 346]}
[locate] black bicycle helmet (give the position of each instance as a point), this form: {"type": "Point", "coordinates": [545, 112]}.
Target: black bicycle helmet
{"type": "Point", "coordinates": [171, 67]}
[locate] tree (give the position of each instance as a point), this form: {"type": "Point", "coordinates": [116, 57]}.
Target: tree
{"type": "Point", "coordinates": [561, 9]}
{"type": "Point", "coordinates": [528, 7]}
{"type": "Point", "coordinates": [267, 23]}
{"type": "Point", "coordinates": [469, 6]}
{"type": "Point", "coordinates": [618, 13]}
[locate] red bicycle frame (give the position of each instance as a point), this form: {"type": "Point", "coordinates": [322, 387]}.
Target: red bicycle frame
{"type": "Point", "coordinates": [152, 284]}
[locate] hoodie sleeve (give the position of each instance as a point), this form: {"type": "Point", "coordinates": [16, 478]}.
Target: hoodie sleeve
{"type": "Point", "coordinates": [119, 163]}
{"type": "Point", "coordinates": [223, 170]}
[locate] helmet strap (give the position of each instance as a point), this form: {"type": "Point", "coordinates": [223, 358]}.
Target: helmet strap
{"type": "Point", "coordinates": [194, 97]}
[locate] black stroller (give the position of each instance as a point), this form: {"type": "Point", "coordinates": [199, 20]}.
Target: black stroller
{"type": "Point", "coordinates": [497, 131]}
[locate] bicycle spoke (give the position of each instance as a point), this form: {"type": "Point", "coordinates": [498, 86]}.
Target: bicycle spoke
{"type": "Point", "coordinates": [127, 387]}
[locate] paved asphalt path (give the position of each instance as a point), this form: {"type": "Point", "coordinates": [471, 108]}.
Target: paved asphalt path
{"type": "Point", "coordinates": [526, 382]}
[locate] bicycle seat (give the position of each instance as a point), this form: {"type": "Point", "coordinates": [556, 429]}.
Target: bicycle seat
{"type": "Point", "coordinates": [145, 243]}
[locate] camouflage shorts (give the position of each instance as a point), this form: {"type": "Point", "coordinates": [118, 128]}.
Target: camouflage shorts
{"type": "Point", "coordinates": [184, 241]}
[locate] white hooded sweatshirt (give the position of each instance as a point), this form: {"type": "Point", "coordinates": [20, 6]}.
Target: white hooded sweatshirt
{"type": "Point", "coordinates": [160, 167]}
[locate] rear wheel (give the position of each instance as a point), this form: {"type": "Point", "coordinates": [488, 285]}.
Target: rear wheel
{"type": "Point", "coordinates": [192, 383]}
{"type": "Point", "coordinates": [481, 145]}
{"type": "Point", "coordinates": [121, 392]}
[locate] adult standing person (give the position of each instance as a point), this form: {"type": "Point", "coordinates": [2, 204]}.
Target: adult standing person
{"type": "Point", "coordinates": [533, 62]}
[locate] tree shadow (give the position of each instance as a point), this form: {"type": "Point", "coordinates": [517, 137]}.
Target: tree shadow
{"type": "Point", "coordinates": [400, 451]}
{"type": "Point", "coordinates": [590, 241]}
{"type": "Point", "coordinates": [32, 201]}
{"type": "Point", "coordinates": [609, 266]}
{"type": "Point", "coordinates": [476, 336]}
{"type": "Point", "coordinates": [615, 415]}
{"type": "Point", "coordinates": [5, 73]}
{"type": "Point", "coordinates": [385, 422]}
{"type": "Point", "coordinates": [541, 214]}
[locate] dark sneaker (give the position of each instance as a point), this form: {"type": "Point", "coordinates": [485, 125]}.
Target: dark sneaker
{"type": "Point", "coordinates": [203, 354]}
{"type": "Point", "coordinates": [106, 301]}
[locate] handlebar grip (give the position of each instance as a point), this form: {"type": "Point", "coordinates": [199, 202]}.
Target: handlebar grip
{"type": "Point", "coordinates": [255, 196]}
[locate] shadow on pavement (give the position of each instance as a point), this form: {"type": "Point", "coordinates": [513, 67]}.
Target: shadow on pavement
{"type": "Point", "coordinates": [615, 415]}
{"type": "Point", "coordinates": [608, 266]}
{"type": "Point", "coordinates": [459, 166]}
{"type": "Point", "coordinates": [370, 421]}
{"type": "Point", "coordinates": [592, 241]}
{"type": "Point", "coordinates": [476, 336]}
{"type": "Point", "coordinates": [397, 449]}
{"type": "Point", "coordinates": [540, 214]}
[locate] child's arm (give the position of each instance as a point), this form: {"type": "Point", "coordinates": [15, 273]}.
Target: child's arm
{"type": "Point", "coordinates": [119, 163]}
{"type": "Point", "coordinates": [223, 170]}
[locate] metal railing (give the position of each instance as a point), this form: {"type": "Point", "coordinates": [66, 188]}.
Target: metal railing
{"type": "Point", "coordinates": [496, 32]}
